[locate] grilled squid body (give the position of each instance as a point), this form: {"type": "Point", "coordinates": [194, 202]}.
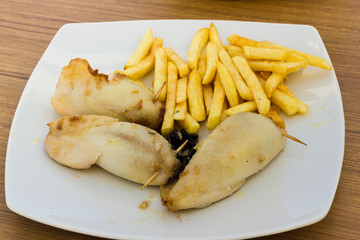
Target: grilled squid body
{"type": "Point", "coordinates": [83, 91]}
{"type": "Point", "coordinates": [240, 146]}
{"type": "Point", "coordinates": [128, 150]}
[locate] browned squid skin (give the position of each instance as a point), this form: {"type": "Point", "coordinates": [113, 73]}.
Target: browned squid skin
{"type": "Point", "coordinates": [128, 150]}
{"type": "Point", "coordinates": [240, 146]}
{"type": "Point", "coordinates": [83, 91]}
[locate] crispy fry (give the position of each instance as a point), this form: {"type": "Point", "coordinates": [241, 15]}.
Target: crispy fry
{"type": "Point", "coordinates": [303, 108]}
{"type": "Point", "coordinates": [275, 116]}
{"type": "Point", "coordinates": [179, 62]}
{"type": "Point", "coordinates": [211, 58]}
{"type": "Point", "coordinates": [197, 45]}
{"type": "Point", "coordinates": [239, 41]}
{"type": "Point", "coordinates": [311, 59]}
{"type": "Point", "coordinates": [202, 65]}
{"type": "Point", "coordinates": [214, 37]}
{"type": "Point", "coordinates": [208, 97]}
{"type": "Point", "coordinates": [180, 111]}
{"type": "Point", "coordinates": [293, 57]}
{"type": "Point", "coordinates": [265, 53]}
{"type": "Point", "coordinates": [233, 53]}
{"type": "Point", "coordinates": [252, 81]}
{"type": "Point", "coordinates": [274, 66]}
{"type": "Point", "coordinates": [141, 50]}
{"type": "Point", "coordinates": [145, 65]}
{"type": "Point", "coordinates": [223, 114]}
{"type": "Point", "coordinates": [272, 83]}
{"type": "Point", "coordinates": [240, 85]}
{"type": "Point", "coordinates": [195, 96]}
{"type": "Point", "coordinates": [189, 124]}
{"type": "Point", "coordinates": [216, 105]}
{"type": "Point", "coordinates": [248, 106]}
{"type": "Point", "coordinates": [160, 73]}
{"type": "Point", "coordinates": [168, 121]}
{"type": "Point", "coordinates": [228, 84]}
{"type": "Point", "coordinates": [285, 102]}
{"type": "Point", "coordinates": [234, 48]}
{"type": "Point", "coordinates": [181, 89]}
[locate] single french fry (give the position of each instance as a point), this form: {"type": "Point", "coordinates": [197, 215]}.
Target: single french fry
{"type": "Point", "coordinates": [168, 121]}
{"type": "Point", "coordinates": [234, 48]}
{"type": "Point", "coordinates": [272, 83]}
{"type": "Point", "coordinates": [285, 102]}
{"type": "Point", "coordinates": [217, 105]}
{"type": "Point", "coordinates": [275, 116]}
{"type": "Point", "coordinates": [211, 58]}
{"type": "Point", "coordinates": [141, 50]}
{"type": "Point", "coordinates": [262, 102]}
{"type": "Point", "coordinates": [214, 37]}
{"type": "Point", "coordinates": [180, 111]}
{"type": "Point", "coordinates": [223, 114]}
{"type": "Point", "coordinates": [274, 66]}
{"type": "Point", "coordinates": [311, 59]}
{"type": "Point", "coordinates": [265, 53]}
{"type": "Point", "coordinates": [160, 73]}
{"type": "Point", "coordinates": [145, 65]}
{"type": "Point", "coordinates": [240, 85]}
{"type": "Point", "coordinates": [195, 96]}
{"type": "Point", "coordinates": [248, 106]}
{"type": "Point", "coordinates": [202, 65]}
{"type": "Point", "coordinates": [303, 108]}
{"type": "Point", "coordinates": [228, 84]}
{"type": "Point", "coordinates": [179, 62]}
{"type": "Point", "coordinates": [189, 124]}
{"type": "Point", "coordinates": [239, 41]}
{"type": "Point", "coordinates": [196, 47]}
{"type": "Point", "coordinates": [208, 97]}
{"type": "Point", "coordinates": [233, 53]}
{"type": "Point", "coordinates": [181, 89]}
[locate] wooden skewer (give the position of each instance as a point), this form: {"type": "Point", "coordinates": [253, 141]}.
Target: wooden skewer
{"type": "Point", "coordinates": [160, 90]}
{"type": "Point", "coordinates": [150, 179]}
{"type": "Point", "coordinates": [181, 146]}
{"type": "Point", "coordinates": [284, 133]}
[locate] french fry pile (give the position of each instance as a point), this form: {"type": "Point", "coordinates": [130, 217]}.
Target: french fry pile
{"type": "Point", "coordinates": [218, 81]}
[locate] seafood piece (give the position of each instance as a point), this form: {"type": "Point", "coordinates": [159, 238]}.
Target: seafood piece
{"type": "Point", "coordinates": [240, 146]}
{"type": "Point", "coordinates": [83, 91]}
{"type": "Point", "coordinates": [125, 149]}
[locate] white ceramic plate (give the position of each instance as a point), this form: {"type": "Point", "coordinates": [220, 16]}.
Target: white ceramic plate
{"type": "Point", "coordinates": [295, 190]}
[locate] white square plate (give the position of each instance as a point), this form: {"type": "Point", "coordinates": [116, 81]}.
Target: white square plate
{"type": "Point", "coordinates": [295, 190]}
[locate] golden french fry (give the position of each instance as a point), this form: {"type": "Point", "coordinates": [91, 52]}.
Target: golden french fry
{"type": "Point", "coordinates": [274, 66]}
{"type": "Point", "coordinates": [214, 37]}
{"type": "Point", "coordinates": [145, 65]}
{"type": "Point", "coordinates": [233, 53]}
{"type": "Point", "coordinates": [303, 108]}
{"type": "Point", "coordinates": [293, 57]}
{"type": "Point", "coordinates": [285, 102]}
{"type": "Point", "coordinates": [228, 84]}
{"type": "Point", "coordinates": [208, 97]}
{"type": "Point", "coordinates": [196, 47]}
{"type": "Point", "coordinates": [195, 96]}
{"type": "Point", "coordinates": [168, 121]}
{"type": "Point", "coordinates": [223, 114]}
{"type": "Point", "coordinates": [239, 41]}
{"type": "Point", "coordinates": [180, 111]}
{"type": "Point", "coordinates": [189, 124]}
{"type": "Point", "coordinates": [211, 58]}
{"type": "Point", "coordinates": [248, 106]}
{"type": "Point", "coordinates": [311, 59]}
{"type": "Point", "coordinates": [179, 62]}
{"type": "Point", "coordinates": [217, 105]}
{"type": "Point", "coordinates": [252, 81]}
{"type": "Point", "coordinates": [202, 65]}
{"type": "Point", "coordinates": [265, 53]}
{"type": "Point", "coordinates": [240, 85]}
{"type": "Point", "coordinates": [272, 83]}
{"type": "Point", "coordinates": [181, 89]}
{"type": "Point", "coordinates": [233, 48]}
{"type": "Point", "coordinates": [141, 50]}
{"type": "Point", "coordinates": [160, 74]}
{"type": "Point", "coordinates": [275, 116]}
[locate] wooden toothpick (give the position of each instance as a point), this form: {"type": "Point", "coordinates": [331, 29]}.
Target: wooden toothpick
{"type": "Point", "coordinates": [285, 134]}
{"type": "Point", "coordinates": [150, 179]}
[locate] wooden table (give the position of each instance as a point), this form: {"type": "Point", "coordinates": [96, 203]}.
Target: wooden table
{"type": "Point", "coordinates": [27, 27]}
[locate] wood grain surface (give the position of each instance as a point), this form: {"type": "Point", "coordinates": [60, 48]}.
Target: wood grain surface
{"type": "Point", "coordinates": [28, 26]}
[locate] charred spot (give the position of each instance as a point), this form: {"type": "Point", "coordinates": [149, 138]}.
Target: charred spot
{"type": "Point", "coordinates": [138, 105]}
{"type": "Point", "coordinates": [75, 118]}
{"type": "Point", "coordinates": [59, 124]}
